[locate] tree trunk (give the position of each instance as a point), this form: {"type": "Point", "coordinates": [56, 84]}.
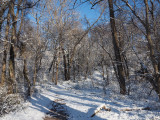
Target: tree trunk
{"type": "Point", "coordinates": [65, 65]}
{"type": "Point", "coordinates": [35, 71]}
{"type": "Point", "coordinates": [57, 68]}
{"type": "Point", "coordinates": [69, 67]}
{"type": "Point", "coordinates": [12, 85]}
{"type": "Point", "coordinates": [118, 58]}
{"type": "Point", "coordinates": [25, 73]}
{"type": "Point", "coordinates": [11, 81]}
{"type": "Point", "coordinates": [57, 71]}
{"type": "Point", "coordinates": [2, 11]}
{"type": "Point", "coordinates": [74, 71]}
{"type": "Point", "coordinates": [3, 75]}
{"type": "Point", "coordinates": [53, 67]}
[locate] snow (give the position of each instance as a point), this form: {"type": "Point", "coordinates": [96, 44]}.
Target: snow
{"type": "Point", "coordinates": [81, 100]}
{"type": "Point", "coordinates": [99, 108]}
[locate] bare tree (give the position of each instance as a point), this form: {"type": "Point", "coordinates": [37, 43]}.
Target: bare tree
{"type": "Point", "coordinates": [155, 78]}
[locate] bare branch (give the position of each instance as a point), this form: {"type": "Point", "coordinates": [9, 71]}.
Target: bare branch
{"type": "Point", "coordinates": [134, 12]}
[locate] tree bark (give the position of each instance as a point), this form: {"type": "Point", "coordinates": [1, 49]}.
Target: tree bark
{"type": "Point", "coordinates": [115, 42]}
{"type": "Point", "coordinates": [3, 75]}
{"type": "Point", "coordinates": [35, 70]}
{"type": "Point", "coordinates": [69, 67]}
{"type": "Point", "coordinates": [57, 68]}
{"type": "Point", "coordinates": [11, 82]}
{"type": "Point", "coordinates": [65, 65]}
{"type": "Point", "coordinates": [25, 73]}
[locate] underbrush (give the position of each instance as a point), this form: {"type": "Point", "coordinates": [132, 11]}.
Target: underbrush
{"type": "Point", "coordinates": [9, 102]}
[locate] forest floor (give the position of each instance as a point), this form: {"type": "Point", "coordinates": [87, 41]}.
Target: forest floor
{"type": "Point", "coordinates": [79, 101]}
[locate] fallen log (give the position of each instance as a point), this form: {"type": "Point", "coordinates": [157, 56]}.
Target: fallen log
{"type": "Point", "coordinates": [100, 108]}
{"type": "Point", "coordinates": [56, 100]}
{"type": "Point", "coordinates": [132, 109]}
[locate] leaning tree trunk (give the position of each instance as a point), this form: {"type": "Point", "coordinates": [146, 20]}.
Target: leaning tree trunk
{"type": "Point", "coordinates": [115, 42]}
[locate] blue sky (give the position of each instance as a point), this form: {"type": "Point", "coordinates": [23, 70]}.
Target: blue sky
{"type": "Point", "coordinates": [85, 10]}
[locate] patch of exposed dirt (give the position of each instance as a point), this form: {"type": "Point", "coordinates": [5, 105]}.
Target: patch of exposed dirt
{"type": "Point", "coordinates": [57, 112]}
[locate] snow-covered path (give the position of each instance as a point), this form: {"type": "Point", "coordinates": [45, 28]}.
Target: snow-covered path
{"type": "Point", "coordinates": [80, 104]}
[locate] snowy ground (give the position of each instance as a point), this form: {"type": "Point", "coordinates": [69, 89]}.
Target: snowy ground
{"type": "Point", "coordinates": [81, 100]}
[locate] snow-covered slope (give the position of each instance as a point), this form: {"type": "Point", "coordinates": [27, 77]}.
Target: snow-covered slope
{"type": "Point", "coordinates": [81, 100]}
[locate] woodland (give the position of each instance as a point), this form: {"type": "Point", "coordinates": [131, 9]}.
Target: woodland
{"type": "Point", "coordinates": [50, 42]}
